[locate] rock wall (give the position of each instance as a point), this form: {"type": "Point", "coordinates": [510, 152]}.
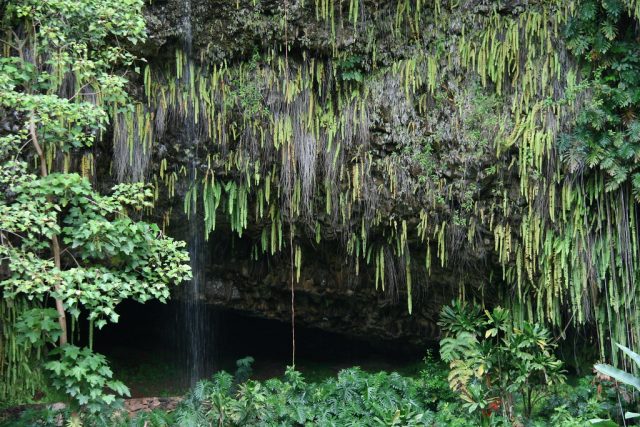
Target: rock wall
{"type": "Point", "coordinates": [328, 296]}
{"type": "Point", "coordinates": [355, 146]}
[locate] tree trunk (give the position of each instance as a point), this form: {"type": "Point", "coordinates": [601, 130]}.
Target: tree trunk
{"type": "Point", "coordinates": [55, 244]}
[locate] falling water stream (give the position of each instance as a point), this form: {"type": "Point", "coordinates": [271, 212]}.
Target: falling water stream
{"type": "Point", "coordinates": [196, 331]}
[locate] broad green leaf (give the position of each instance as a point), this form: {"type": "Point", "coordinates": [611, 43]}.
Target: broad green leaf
{"type": "Point", "coordinates": [618, 374]}
{"type": "Point", "coordinates": [633, 355]}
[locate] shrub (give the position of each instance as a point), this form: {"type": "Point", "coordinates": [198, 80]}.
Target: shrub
{"type": "Point", "coordinates": [492, 362]}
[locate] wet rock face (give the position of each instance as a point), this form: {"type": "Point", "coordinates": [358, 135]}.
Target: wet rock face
{"type": "Point", "coordinates": [233, 30]}
{"type": "Point", "coordinates": [326, 297]}
{"type": "Point", "coordinates": [329, 295]}
{"type": "Point", "coordinates": [437, 142]}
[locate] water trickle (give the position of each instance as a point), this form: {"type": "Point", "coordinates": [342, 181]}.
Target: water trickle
{"type": "Point", "coordinates": [197, 333]}
{"type": "Point", "coordinates": [186, 26]}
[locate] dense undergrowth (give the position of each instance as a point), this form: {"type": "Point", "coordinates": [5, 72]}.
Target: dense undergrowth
{"type": "Point", "coordinates": [352, 398]}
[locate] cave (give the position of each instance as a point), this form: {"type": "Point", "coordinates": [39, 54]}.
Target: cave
{"type": "Point", "coordinates": [149, 342]}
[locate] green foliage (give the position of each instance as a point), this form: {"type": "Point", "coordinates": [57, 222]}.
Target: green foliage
{"type": "Point", "coordinates": [483, 119]}
{"type": "Point", "coordinates": [244, 370]}
{"type": "Point", "coordinates": [19, 376]}
{"type": "Point", "coordinates": [59, 238]}
{"type": "Point", "coordinates": [85, 376]}
{"type": "Point", "coordinates": [38, 325]}
{"type": "Point", "coordinates": [579, 405]}
{"type": "Point", "coordinates": [353, 398]}
{"type": "Point", "coordinates": [606, 136]}
{"type": "Point", "coordinates": [461, 316]}
{"type": "Point", "coordinates": [350, 68]}
{"type": "Point", "coordinates": [435, 384]}
{"type": "Point", "coordinates": [493, 362]}
{"type": "Point", "coordinates": [424, 157]}
{"type": "Point", "coordinates": [155, 418]}
{"type": "Point", "coordinates": [110, 257]}
{"type": "Point", "coordinates": [622, 376]}
{"type": "Point", "coordinates": [89, 23]}
{"type": "Point", "coordinates": [108, 416]}
{"type": "Point", "coordinates": [246, 92]}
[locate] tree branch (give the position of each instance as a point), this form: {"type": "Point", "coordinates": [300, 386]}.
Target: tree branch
{"type": "Point", "coordinates": [55, 244]}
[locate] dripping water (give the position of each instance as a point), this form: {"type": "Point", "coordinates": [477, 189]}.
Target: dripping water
{"type": "Point", "coordinates": [197, 332]}
{"type": "Point", "coordinates": [187, 38]}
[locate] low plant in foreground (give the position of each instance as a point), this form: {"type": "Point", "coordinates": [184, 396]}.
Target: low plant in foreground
{"type": "Point", "coordinates": [494, 365]}
{"type": "Point", "coordinates": [352, 398]}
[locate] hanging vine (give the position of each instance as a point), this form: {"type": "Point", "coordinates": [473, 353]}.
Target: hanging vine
{"type": "Point", "coordinates": [289, 144]}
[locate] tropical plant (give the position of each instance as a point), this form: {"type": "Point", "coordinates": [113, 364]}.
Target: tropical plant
{"type": "Point", "coordinates": [584, 401]}
{"type": "Point", "coordinates": [244, 369]}
{"type": "Point", "coordinates": [435, 384]}
{"type": "Point", "coordinates": [374, 399]}
{"type": "Point", "coordinates": [621, 376]}
{"type": "Point", "coordinates": [61, 240]}
{"type": "Point", "coordinates": [492, 361]}
{"type": "Point", "coordinates": [85, 376]}
{"type": "Point", "coordinates": [606, 135]}
{"type": "Point", "coordinates": [354, 397]}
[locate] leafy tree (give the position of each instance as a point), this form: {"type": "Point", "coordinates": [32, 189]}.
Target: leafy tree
{"type": "Point", "coordinates": [606, 135]}
{"type": "Point", "coordinates": [60, 239]}
{"type": "Point", "coordinates": [492, 361]}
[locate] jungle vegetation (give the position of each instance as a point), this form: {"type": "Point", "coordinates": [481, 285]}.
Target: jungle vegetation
{"type": "Point", "coordinates": [547, 116]}
{"type": "Point", "coordinates": [63, 241]}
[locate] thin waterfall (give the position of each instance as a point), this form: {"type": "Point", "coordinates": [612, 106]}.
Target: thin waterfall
{"type": "Point", "coordinates": [197, 332]}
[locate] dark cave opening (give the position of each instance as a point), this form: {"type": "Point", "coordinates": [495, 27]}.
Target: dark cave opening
{"type": "Point", "coordinates": [147, 350]}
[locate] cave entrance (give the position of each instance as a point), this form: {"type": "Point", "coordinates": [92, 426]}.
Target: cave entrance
{"type": "Point", "coordinates": [147, 349]}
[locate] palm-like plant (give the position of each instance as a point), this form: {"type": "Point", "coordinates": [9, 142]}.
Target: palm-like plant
{"type": "Point", "coordinates": [491, 361]}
